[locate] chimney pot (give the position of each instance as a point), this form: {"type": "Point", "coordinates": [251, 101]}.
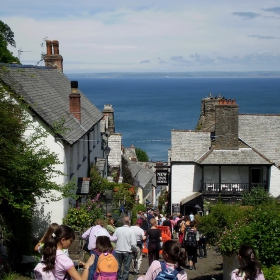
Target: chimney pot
{"type": "Point", "coordinates": [49, 47]}
{"type": "Point", "coordinates": [55, 47]}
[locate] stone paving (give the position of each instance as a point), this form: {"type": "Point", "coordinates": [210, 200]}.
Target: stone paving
{"type": "Point", "coordinates": [206, 268]}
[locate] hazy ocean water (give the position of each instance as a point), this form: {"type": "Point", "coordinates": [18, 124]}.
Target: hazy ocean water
{"type": "Point", "coordinates": [147, 109]}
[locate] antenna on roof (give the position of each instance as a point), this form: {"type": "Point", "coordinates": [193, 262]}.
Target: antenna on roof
{"type": "Point", "coordinates": [20, 51]}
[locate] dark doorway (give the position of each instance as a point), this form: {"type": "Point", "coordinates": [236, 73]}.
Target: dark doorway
{"type": "Point", "coordinates": [256, 176]}
{"type": "Point", "coordinates": [188, 209]}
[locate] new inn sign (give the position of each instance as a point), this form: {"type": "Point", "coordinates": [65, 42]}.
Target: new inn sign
{"type": "Point", "coordinates": [162, 177]}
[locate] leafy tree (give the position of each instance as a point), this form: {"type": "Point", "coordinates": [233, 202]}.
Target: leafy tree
{"type": "Point", "coordinates": [141, 155]}
{"type": "Point", "coordinates": [27, 168]}
{"type": "Point", "coordinates": [126, 173]}
{"type": "Point", "coordinates": [6, 38]}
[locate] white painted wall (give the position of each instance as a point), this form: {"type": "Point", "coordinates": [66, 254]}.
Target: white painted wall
{"type": "Point", "coordinates": [274, 181]}
{"type": "Point", "coordinates": [74, 164]}
{"type": "Point", "coordinates": [182, 181]}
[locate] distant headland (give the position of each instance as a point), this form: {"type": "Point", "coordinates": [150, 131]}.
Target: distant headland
{"type": "Point", "coordinates": [166, 75]}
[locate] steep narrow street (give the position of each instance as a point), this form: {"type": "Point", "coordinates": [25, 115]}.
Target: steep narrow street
{"type": "Point", "coordinates": [206, 268]}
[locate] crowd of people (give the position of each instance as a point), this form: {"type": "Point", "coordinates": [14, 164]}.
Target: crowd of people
{"type": "Point", "coordinates": [113, 249]}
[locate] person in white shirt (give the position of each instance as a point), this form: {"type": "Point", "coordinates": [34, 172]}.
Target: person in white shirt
{"type": "Point", "coordinates": [126, 240]}
{"type": "Point", "coordinates": [92, 233]}
{"type": "Point", "coordinates": [140, 237]}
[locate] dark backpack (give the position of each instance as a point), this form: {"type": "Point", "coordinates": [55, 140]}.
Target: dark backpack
{"type": "Point", "coordinates": [190, 239]}
{"type": "Point", "coordinates": [177, 225]}
{"type": "Point", "coordinates": [167, 273]}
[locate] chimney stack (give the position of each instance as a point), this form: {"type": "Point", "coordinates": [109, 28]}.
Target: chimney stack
{"type": "Point", "coordinates": [53, 58]}
{"type": "Point", "coordinates": [109, 112]}
{"type": "Point", "coordinates": [75, 101]}
{"type": "Point", "coordinates": [207, 112]}
{"type": "Point", "coordinates": [226, 125]}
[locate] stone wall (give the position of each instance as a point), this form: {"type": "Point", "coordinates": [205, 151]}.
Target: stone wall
{"type": "Point", "coordinates": [226, 126]}
{"type": "Point", "coordinates": [207, 113]}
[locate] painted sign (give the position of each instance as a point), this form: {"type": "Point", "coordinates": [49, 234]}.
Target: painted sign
{"type": "Point", "coordinates": [162, 177]}
{"type": "Point", "coordinates": [175, 208]}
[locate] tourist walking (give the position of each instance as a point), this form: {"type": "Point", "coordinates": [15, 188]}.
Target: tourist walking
{"type": "Point", "coordinates": [249, 266]}
{"type": "Point", "coordinates": [174, 260]}
{"type": "Point", "coordinates": [57, 262]}
{"type": "Point", "coordinates": [40, 245]}
{"type": "Point", "coordinates": [167, 223]}
{"type": "Point", "coordinates": [140, 237]}
{"type": "Point", "coordinates": [111, 228]}
{"type": "Point", "coordinates": [91, 234]}
{"type": "Point", "coordinates": [126, 241]}
{"type": "Point", "coordinates": [107, 265]}
{"type": "Point", "coordinates": [191, 216]}
{"type": "Point", "coordinates": [154, 236]}
{"type": "Point", "coordinates": [191, 239]}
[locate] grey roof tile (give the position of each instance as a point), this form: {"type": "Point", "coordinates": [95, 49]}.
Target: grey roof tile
{"type": "Point", "coordinates": [262, 132]}
{"type": "Point", "coordinates": [46, 90]}
{"type": "Point", "coordinates": [189, 145]}
{"type": "Point", "coordinates": [241, 156]}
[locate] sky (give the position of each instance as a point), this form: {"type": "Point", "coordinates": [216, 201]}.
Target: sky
{"type": "Point", "coordinates": [148, 36]}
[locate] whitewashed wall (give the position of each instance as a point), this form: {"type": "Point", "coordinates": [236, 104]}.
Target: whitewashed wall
{"type": "Point", "coordinates": [75, 164]}
{"type": "Point", "coordinates": [182, 181]}
{"type": "Point", "coordinates": [274, 181]}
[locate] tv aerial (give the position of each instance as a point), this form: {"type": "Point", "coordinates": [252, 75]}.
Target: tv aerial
{"type": "Point", "coordinates": [20, 51]}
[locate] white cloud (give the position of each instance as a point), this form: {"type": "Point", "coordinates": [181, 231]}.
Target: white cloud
{"type": "Point", "coordinates": [124, 35]}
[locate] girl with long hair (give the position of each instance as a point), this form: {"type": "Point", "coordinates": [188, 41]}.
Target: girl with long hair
{"type": "Point", "coordinates": [249, 266]}
{"type": "Point", "coordinates": [173, 258]}
{"type": "Point", "coordinates": [56, 261]}
{"type": "Point", "coordinates": [39, 246]}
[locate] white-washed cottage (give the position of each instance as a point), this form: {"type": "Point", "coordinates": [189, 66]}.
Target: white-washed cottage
{"type": "Point", "coordinates": [227, 154]}
{"type": "Point", "coordinates": [71, 121]}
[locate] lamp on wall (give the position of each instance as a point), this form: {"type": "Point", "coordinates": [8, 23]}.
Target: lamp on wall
{"type": "Point", "coordinates": [106, 152]}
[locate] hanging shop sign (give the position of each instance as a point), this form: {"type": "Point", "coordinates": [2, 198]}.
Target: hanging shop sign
{"type": "Point", "coordinates": [162, 177]}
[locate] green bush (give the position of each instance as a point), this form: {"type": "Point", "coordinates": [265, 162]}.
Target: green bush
{"type": "Point", "coordinates": [272, 273]}
{"type": "Point", "coordinates": [229, 226]}
{"type": "Point", "coordinates": [257, 196]}
{"type": "Point", "coordinates": [136, 208]}
{"type": "Point", "coordinates": [11, 276]}
{"type": "Point", "coordinates": [83, 216]}
{"type": "Point", "coordinates": [221, 217]}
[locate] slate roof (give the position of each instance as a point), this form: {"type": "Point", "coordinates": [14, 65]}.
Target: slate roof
{"type": "Point", "coordinates": [262, 132]}
{"type": "Point", "coordinates": [143, 175]}
{"type": "Point", "coordinates": [46, 90]}
{"type": "Point", "coordinates": [231, 157]}
{"type": "Point", "coordinates": [189, 145]}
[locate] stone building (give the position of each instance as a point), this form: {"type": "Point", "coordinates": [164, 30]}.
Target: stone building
{"type": "Point", "coordinates": [227, 154]}
{"type": "Point", "coordinates": [52, 102]}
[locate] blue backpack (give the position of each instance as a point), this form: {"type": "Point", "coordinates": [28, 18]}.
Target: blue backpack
{"type": "Point", "coordinates": [167, 274]}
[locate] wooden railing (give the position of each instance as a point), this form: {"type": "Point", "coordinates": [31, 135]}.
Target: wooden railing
{"type": "Point", "coordinates": [229, 188]}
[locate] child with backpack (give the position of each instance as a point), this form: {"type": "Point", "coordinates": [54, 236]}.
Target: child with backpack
{"type": "Point", "coordinates": [55, 265]}
{"type": "Point", "coordinates": [107, 265]}
{"type": "Point", "coordinates": [191, 239]}
{"type": "Point", "coordinates": [170, 268]}
{"type": "Point", "coordinates": [249, 266]}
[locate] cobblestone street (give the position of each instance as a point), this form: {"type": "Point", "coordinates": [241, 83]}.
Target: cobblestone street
{"type": "Point", "coordinates": [206, 268]}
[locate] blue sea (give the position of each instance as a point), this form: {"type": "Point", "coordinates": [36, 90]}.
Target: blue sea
{"type": "Point", "coordinates": [147, 109]}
